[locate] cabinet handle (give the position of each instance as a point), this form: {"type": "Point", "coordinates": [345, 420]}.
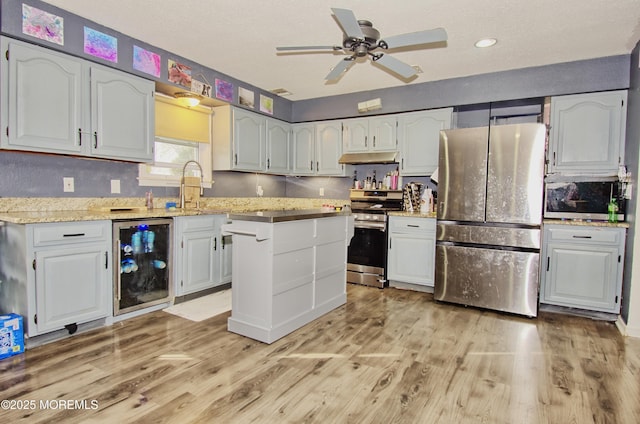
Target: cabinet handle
{"type": "Point", "coordinates": [374, 141]}
{"type": "Point", "coordinates": [268, 163]}
{"type": "Point", "coordinates": [73, 235]}
{"type": "Point", "coordinates": [547, 263]}
{"type": "Point", "coordinates": [582, 237]}
{"type": "Point", "coordinates": [79, 136]}
{"type": "Point", "coordinates": [311, 165]}
{"type": "Point", "coordinates": [413, 226]}
{"type": "Point", "coordinates": [95, 139]}
{"type": "Point", "coordinates": [106, 259]}
{"type": "Point", "coordinates": [365, 141]}
{"type": "Point", "coordinates": [222, 242]}
{"type": "Point", "coordinates": [215, 243]}
{"type": "Point", "coordinates": [317, 166]}
{"type": "Point", "coordinates": [554, 158]}
{"type": "Point", "coordinates": [235, 159]}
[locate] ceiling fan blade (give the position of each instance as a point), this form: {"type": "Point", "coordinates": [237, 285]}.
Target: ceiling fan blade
{"type": "Point", "coordinates": [290, 48]}
{"type": "Point", "coordinates": [395, 65]}
{"type": "Point", "coordinates": [414, 38]}
{"type": "Point", "coordinates": [349, 23]}
{"type": "Point", "coordinates": [341, 67]}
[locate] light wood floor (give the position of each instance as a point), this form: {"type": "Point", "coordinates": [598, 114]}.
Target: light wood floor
{"type": "Point", "coordinates": [388, 356]}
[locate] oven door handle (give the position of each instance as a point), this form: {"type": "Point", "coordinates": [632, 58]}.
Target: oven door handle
{"type": "Point", "coordinates": [371, 225]}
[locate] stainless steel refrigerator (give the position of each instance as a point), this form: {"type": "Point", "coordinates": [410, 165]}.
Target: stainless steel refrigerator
{"type": "Point", "coordinates": [490, 194]}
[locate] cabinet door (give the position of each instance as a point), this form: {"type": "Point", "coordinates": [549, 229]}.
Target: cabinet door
{"type": "Point", "coordinates": [419, 138]}
{"type": "Point", "coordinates": [329, 149]}
{"type": "Point", "coordinates": [122, 115]}
{"type": "Point", "coordinates": [303, 149]}
{"type": "Point", "coordinates": [41, 100]}
{"type": "Point", "coordinates": [199, 264]}
{"type": "Point", "coordinates": [582, 276]}
{"type": "Point", "coordinates": [587, 133]}
{"type": "Point", "coordinates": [72, 285]}
{"type": "Point", "coordinates": [225, 258]}
{"type": "Point", "coordinates": [382, 132]}
{"type": "Point", "coordinates": [278, 144]}
{"type": "Point", "coordinates": [355, 135]}
{"type": "Point", "coordinates": [248, 141]}
{"type": "Point", "coordinates": [411, 258]}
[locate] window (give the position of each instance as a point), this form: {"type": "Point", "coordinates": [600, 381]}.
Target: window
{"type": "Point", "coordinates": [182, 134]}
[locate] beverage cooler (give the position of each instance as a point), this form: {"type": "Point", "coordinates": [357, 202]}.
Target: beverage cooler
{"type": "Point", "coordinates": [142, 270]}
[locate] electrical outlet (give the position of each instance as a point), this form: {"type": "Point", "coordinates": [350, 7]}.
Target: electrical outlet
{"type": "Point", "coordinates": [321, 191]}
{"type": "Point", "coordinates": [115, 186]}
{"type": "Point", "coordinates": [259, 191]}
{"type": "Point", "coordinates": [68, 184]}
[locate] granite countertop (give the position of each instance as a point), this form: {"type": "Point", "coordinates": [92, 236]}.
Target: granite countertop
{"type": "Point", "coordinates": [37, 217]}
{"type": "Point", "coordinates": [587, 223]}
{"type": "Point", "coordinates": [413, 214]}
{"type": "Point", "coordinates": [287, 215]}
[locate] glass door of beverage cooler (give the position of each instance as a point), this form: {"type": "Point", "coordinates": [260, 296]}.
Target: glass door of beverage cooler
{"type": "Point", "coordinates": [142, 251]}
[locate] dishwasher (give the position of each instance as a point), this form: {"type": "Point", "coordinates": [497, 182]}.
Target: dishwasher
{"type": "Point", "coordinates": [143, 264]}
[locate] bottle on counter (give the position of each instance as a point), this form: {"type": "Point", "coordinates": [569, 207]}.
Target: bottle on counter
{"type": "Point", "coordinates": [613, 211]}
{"type": "Point", "coordinates": [374, 184]}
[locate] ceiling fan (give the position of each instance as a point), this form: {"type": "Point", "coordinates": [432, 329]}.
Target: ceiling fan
{"type": "Point", "coordinates": [362, 39]}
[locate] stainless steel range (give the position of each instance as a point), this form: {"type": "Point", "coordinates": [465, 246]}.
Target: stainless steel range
{"type": "Point", "coordinates": [367, 257]}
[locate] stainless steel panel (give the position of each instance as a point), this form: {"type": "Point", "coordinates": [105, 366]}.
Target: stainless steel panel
{"type": "Point", "coordinates": [516, 173]}
{"type": "Point", "coordinates": [462, 174]}
{"type": "Point", "coordinates": [501, 280]}
{"type": "Point", "coordinates": [368, 276]}
{"type": "Point", "coordinates": [528, 238]}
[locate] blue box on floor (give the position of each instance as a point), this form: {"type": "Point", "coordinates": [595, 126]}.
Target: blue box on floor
{"type": "Point", "coordinates": [11, 335]}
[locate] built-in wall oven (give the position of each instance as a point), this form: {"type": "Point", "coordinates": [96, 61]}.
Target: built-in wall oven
{"type": "Point", "coordinates": [367, 255]}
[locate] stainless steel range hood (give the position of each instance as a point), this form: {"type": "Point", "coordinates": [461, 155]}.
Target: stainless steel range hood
{"type": "Point", "coordinates": [369, 157]}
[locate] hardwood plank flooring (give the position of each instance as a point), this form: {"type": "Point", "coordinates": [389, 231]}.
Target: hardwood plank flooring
{"type": "Point", "coordinates": [387, 356]}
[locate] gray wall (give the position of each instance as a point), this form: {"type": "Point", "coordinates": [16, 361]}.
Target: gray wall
{"type": "Point", "coordinates": [632, 159]}
{"type": "Point", "coordinates": [609, 73]}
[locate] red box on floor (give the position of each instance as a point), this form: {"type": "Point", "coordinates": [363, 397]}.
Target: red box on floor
{"type": "Point", "coordinates": [11, 335]}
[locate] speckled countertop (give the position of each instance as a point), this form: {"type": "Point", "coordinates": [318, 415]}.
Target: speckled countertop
{"type": "Point", "coordinates": [586, 223]}
{"type": "Point", "coordinates": [413, 214]}
{"type": "Point", "coordinates": [42, 210]}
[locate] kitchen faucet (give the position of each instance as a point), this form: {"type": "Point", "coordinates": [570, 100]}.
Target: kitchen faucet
{"type": "Point", "coordinates": [182, 184]}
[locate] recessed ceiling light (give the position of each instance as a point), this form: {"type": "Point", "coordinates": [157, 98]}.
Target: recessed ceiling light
{"type": "Point", "coordinates": [486, 42]}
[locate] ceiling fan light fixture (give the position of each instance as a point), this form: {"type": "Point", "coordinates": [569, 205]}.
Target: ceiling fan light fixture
{"type": "Point", "coordinates": [485, 42]}
{"type": "Point", "coordinates": [188, 99]}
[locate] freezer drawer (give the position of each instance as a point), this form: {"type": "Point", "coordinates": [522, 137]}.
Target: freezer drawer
{"type": "Point", "coordinates": [502, 280]}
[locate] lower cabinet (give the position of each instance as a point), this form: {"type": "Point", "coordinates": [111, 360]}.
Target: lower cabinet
{"type": "Point", "coordinates": [411, 250]}
{"type": "Point", "coordinates": [56, 275]}
{"type": "Point", "coordinates": [202, 260]}
{"type": "Point", "coordinates": [582, 267]}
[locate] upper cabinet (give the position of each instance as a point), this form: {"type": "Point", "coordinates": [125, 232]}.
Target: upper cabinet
{"type": "Point", "coordinates": [56, 103]}
{"type": "Point", "coordinates": [278, 144]}
{"type": "Point", "coordinates": [369, 134]}
{"type": "Point", "coordinates": [329, 149]}
{"type": "Point", "coordinates": [587, 133]}
{"type": "Point", "coordinates": [303, 153]}
{"type": "Point", "coordinates": [419, 138]}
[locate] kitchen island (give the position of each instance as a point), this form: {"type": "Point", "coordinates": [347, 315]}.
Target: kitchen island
{"type": "Point", "coordinates": [289, 268]}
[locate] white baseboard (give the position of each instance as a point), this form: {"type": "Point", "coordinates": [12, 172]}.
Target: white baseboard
{"type": "Point", "coordinates": [625, 330]}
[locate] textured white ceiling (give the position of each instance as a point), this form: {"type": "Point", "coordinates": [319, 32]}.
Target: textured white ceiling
{"type": "Point", "coordinates": [239, 37]}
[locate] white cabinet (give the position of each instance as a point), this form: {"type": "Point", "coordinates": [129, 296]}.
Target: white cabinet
{"type": "Point", "coordinates": [369, 134]}
{"type": "Point", "coordinates": [122, 116]}
{"type": "Point", "coordinates": [303, 144]}
{"type": "Point", "coordinates": [286, 274]}
{"type": "Point", "coordinates": [329, 148]}
{"type": "Point", "coordinates": [411, 250]}
{"type": "Point", "coordinates": [587, 133]}
{"type": "Point", "coordinates": [582, 267]}
{"type": "Point", "coordinates": [200, 253]}
{"type": "Point", "coordinates": [57, 275]}
{"type": "Point", "coordinates": [247, 141]}
{"type": "Point", "coordinates": [419, 138]}
{"type": "Point", "coordinates": [278, 142]}
{"type": "Point", "coordinates": [316, 149]}
{"type": "Point", "coordinates": [56, 103]}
